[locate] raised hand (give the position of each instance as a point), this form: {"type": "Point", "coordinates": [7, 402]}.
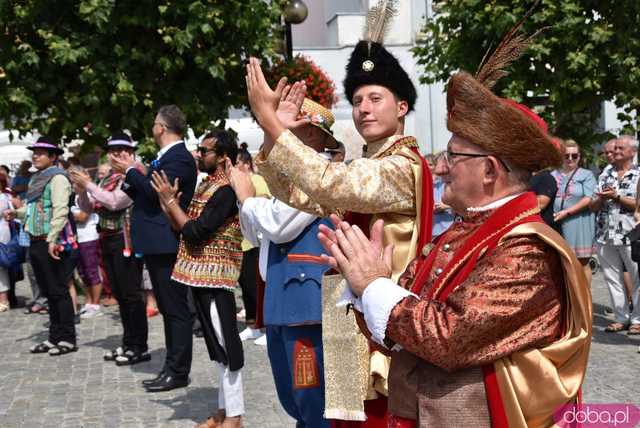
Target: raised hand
{"type": "Point", "coordinates": [290, 105]}
{"type": "Point", "coordinates": [167, 193]}
{"type": "Point", "coordinates": [240, 182]}
{"type": "Point", "coordinates": [262, 99]}
{"type": "Point", "coordinates": [122, 161]}
{"type": "Point", "coordinates": [79, 178]}
{"type": "Point", "coordinates": [360, 260]}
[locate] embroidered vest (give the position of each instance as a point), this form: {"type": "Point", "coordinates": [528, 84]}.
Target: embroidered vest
{"type": "Point", "coordinates": [215, 263]}
{"type": "Point", "coordinates": [111, 220]}
{"type": "Point", "coordinates": [38, 216]}
{"type": "Point", "coordinates": [293, 294]}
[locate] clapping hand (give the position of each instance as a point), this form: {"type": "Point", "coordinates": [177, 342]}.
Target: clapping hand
{"type": "Point", "coordinates": [359, 259]}
{"type": "Point", "coordinates": [79, 178]}
{"type": "Point", "coordinates": [240, 181]}
{"type": "Point", "coordinates": [167, 193]}
{"type": "Point", "coordinates": [290, 105]}
{"type": "Point", "coordinates": [121, 161]}
{"type": "Point", "coordinates": [262, 99]}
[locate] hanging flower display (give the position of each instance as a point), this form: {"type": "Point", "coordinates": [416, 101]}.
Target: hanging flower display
{"type": "Point", "coordinates": [320, 88]}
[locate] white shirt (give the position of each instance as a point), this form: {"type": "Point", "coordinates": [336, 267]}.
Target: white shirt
{"type": "Point", "coordinates": [87, 231]}
{"type": "Point", "coordinates": [166, 148]}
{"type": "Point", "coordinates": [263, 221]}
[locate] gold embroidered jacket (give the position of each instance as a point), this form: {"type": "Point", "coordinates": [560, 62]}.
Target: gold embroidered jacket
{"type": "Point", "coordinates": [387, 185]}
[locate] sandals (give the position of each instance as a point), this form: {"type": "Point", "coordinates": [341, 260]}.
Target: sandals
{"type": "Point", "coordinates": [42, 348]}
{"type": "Point", "coordinates": [113, 354]}
{"type": "Point", "coordinates": [62, 348]}
{"type": "Point", "coordinates": [634, 330]}
{"type": "Point", "coordinates": [36, 309]}
{"type": "Point", "coordinates": [213, 421]}
{"type": "Point", "coordinates": [615, 327]}
{"type": "Point", "coordinates": [130, 358]}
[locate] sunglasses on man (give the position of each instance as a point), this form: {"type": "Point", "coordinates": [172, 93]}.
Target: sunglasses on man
{"type": "Point", "coordinates": [572, 156]}
{"type": "Point", "coordinates": [203, 151]}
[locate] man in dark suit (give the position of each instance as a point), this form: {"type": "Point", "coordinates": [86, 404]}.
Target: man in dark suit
{"type": "Point", "coordinates": [152, 236]}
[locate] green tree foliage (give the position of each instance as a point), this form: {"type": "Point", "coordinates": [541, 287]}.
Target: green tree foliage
{"type": "Point", "coordinates": [81, 68]}
{"type": "Point", "coordinates": [588, 53]}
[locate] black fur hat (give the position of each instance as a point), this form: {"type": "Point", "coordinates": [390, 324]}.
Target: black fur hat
{"type": "Point", "coordinates": [372, 64]}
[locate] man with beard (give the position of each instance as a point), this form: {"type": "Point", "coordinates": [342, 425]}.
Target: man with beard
{"type": "Point", "coordinates": [152, 236]}
{"type": "Point", "coordinates": [209, 258]}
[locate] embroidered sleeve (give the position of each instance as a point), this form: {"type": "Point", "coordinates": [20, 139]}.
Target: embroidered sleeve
{"type": "Point", "coordinates": [283, 189]}
{"type": "Point", "coordinates": [511, 301]}
{"type": "Point", "coordinates": [364, 185]}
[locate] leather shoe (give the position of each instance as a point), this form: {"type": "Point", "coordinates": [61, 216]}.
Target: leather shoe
{"type": "Point", "coordinates": [154, 380]}
{"type": "Point", "coordinates": [167, 383]}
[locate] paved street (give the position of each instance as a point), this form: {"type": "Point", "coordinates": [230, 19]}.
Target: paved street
{"type": "Point", "coordinates": [81, 390]}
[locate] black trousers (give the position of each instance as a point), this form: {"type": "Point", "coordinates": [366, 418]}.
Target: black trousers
{"type": "Point", "coordinates": [125, 277]}
{"type": "Point", "coordinates": [51, 276]}
{"type": "Point", "coordinates": [172, 303]}
{"type": "Point", "coordinates": [231, 354]}
{"type": "Point", "coordinates": [248, 281]}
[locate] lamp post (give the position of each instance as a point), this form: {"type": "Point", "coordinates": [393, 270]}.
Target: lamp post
{"type": "Point", "coordinates": [295, 12]}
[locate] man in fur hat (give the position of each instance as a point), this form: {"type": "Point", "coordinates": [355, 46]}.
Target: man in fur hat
{"type": "Point", "coordinates": [392, 183]}
{"type": "Point", "coordinates": [495, 327]}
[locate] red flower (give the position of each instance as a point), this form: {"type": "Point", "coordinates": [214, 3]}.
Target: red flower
{"type": "Point", "coordinates": [320, 87]}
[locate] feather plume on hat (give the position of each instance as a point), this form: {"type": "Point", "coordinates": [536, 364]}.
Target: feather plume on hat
{"type": "Point", "coordinates": [511, 47]}
{"type": "Point", "coordinates": [371, 64]}
{"type": "Point", "coordinates": [501, 126]}
{"type": "Point", "coordinates": [379, 19]}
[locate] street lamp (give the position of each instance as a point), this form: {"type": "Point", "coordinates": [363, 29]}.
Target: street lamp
{"type": "Point", "coordinates": [295, 12]}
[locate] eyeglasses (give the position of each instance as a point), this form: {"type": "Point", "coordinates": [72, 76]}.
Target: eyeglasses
{"type": "Point", "coordinates": [203, 151]}
{"type": "Point", "coordinates": [161, 124]}
{"type": "Point", "coordinates": [449, 157]}
{"type": "Point", "coordinates": [572, 156]}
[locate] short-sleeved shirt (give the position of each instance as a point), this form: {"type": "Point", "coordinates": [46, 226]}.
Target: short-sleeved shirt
{"type": "Point", "coordinates": [614, 220]}
{"type": "Point", "coordinates": [543, 184]}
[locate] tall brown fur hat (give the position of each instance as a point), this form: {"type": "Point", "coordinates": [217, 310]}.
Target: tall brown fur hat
{"type": "Point", "coordinates": [500, 126]}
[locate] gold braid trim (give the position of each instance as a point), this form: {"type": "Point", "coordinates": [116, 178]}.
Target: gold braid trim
{"type": "Point", "coordinates": [450, 272]}
{"type": "Point", "coordinates": [408, 142]}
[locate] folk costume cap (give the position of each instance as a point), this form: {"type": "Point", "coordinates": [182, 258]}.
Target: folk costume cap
{"type": "Point", "coordinates": [500, 126]}
{"type": "Point", "coordinates": [47, 143]}
{"type": "Point", "coordinates": [371, 64]}
{"type": "Point", "coordinates": [120, 139]}
{"type": "Point", "coordinates": [320, 117]}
